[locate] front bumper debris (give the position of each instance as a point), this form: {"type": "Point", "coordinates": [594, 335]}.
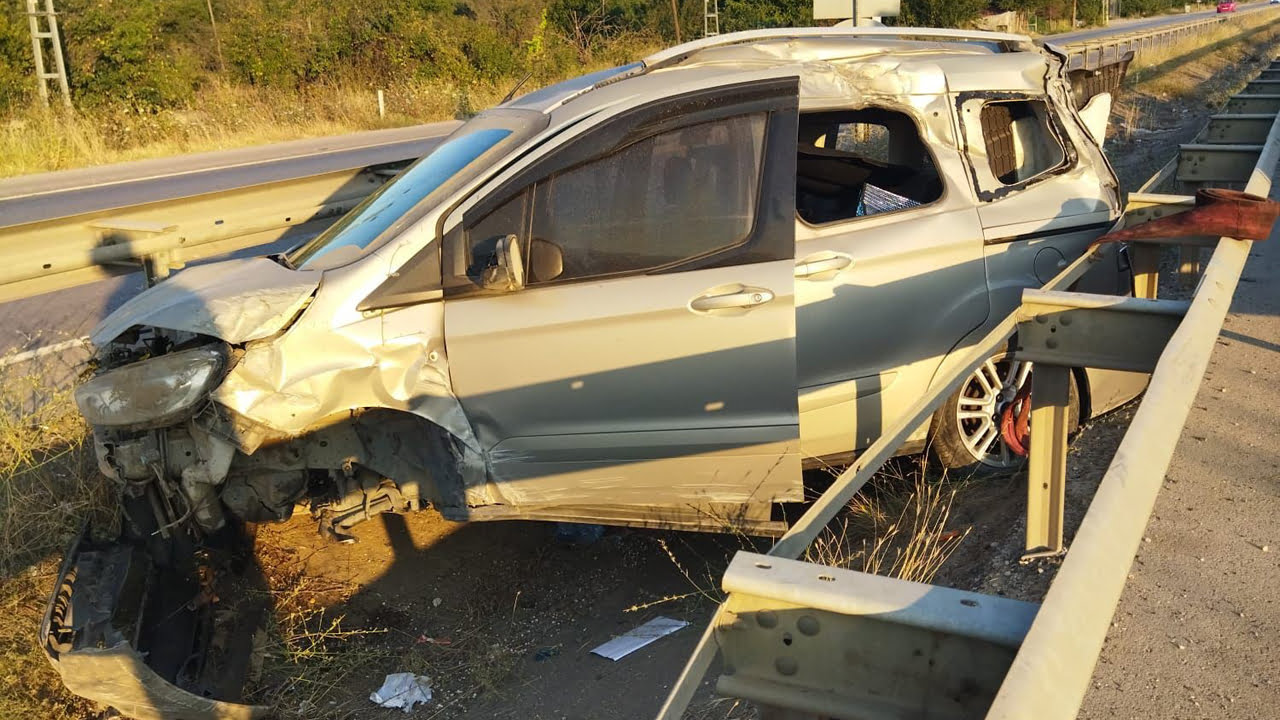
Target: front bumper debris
{"type": "Point", "coordinates": [115, 634]}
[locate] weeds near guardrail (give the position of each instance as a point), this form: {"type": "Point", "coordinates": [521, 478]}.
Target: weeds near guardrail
{"type": "Point", "coordinates": [49, 487]}
{"type": "Point", "coordinates": [222, 116]}
{"type": "Point", "coordinates": [893, 528]}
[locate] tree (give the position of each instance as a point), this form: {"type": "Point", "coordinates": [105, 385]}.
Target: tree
{"type": "Point", "coordinates": [752, 14]}
{"type": "Point", "coordinates": [940, 13]}
{"type": "Point", "coordinates": [583, 22]}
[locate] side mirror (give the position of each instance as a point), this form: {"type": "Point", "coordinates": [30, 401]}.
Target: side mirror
{"type": "Point", "coordinates": [507, 274]}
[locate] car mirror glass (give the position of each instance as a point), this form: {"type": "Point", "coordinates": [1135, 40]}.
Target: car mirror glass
{"type": "Point", "coordinates": [546, 260]}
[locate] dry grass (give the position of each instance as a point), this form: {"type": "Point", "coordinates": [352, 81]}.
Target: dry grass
{"type": "Point", "coordinates": [305, 654]}
{"type": "Point", "coordinates": [1164, 72]}
{"type": "Point", "coordinates": [48, 489]}
{"type": "Point", "coordinates": [226, 115]}
{"type": "Point", "coordinates": [223, 116]}
{"type": "Point", "coordinates": [896, 527]}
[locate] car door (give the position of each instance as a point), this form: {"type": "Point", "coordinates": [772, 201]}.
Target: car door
{"type": "Point", "coordinates": [649, 358]}
{"type": "Point", "coordinates": [1042, 197]}
{"type": "Point", "coordinates": [889, 271]}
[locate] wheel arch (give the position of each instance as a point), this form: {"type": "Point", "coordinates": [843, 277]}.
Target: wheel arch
{"type": "Point", "coordinates": [1083, 394]}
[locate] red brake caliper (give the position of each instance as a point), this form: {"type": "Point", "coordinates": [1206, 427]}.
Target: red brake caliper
{"type": "Point", "coordinates": [1016, 430]}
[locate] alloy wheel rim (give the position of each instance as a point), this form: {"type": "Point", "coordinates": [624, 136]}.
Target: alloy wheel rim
{"type": "Point", "coordinates": [983, 397]}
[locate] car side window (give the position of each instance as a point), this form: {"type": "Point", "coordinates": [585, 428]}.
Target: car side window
{"type": "Point", "coordinates": [858, 163]}
{"type": "Point", "coordinates": [1019, 141]}
{"type": "Point", "coordinates": [481, 238]}
{"type": "Point", "coordinates": [661, 200]}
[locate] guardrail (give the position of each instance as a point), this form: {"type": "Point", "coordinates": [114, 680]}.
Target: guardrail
{"type": "Point", "coordinates": [55, 254]}
{"type": "Point", "coordinates": [802, 638]}
{"type": "Point", "coordinates": [1092, 54]}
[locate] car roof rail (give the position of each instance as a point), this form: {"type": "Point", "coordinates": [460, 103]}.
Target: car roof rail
{"type": "Point", "coordinates": [1008, 42]}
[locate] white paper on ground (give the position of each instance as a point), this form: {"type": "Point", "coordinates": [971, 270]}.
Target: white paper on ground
{"type": "Point", "coordinates": [403, 690]}
{"type": "Point", "coordinates": [624, 645]}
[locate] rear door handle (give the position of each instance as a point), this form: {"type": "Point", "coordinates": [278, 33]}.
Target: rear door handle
{"type": "Point", "coordinates": [745, 298]}
{"type": "Point", "coordinates": [809, 268]}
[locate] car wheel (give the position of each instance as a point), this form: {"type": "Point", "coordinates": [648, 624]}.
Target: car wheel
{"type": "Point", "coordinates": [965, 433]}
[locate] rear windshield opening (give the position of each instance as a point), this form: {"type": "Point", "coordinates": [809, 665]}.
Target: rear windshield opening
{"type": "Point", "coordinates": [1020, 143]}
{"type": "Point", "coordinates": [858, 163]}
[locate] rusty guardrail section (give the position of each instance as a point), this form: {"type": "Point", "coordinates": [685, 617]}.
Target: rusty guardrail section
{"type": "Point", "coordinates": [804, 640]}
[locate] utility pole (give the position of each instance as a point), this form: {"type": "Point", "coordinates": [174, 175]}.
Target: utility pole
{"type": "Point", "coordinates": [222, 67]}
{"type": "Point", "coordinates": [38, 36]}
{"type": "Point", "coordinates": [675, 20]}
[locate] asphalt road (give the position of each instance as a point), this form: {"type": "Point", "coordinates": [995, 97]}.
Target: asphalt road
{"type": "Point", "coordinates": [31, 198]}
{"type": "Point", "coordinates": [1197, 631]}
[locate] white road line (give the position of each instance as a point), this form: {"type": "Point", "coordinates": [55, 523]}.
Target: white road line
{"type": "Point", "coordinates": [231, 166]}
{"type": "Point", "coordinates": [43, 351]}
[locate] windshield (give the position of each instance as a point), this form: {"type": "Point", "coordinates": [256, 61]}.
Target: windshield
{"type": "Point", "coordinates": [354, 233]}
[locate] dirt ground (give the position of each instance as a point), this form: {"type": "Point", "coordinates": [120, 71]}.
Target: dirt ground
{"type": "Point", "coordinates": [502, 616]}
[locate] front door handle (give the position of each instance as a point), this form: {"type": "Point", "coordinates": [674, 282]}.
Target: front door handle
{"type": "Point", "coordinates": [737, 300]}
{"type": "Point", "coordinates": [809, 268]}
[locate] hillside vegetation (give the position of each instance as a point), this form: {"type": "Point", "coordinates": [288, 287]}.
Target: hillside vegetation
{"type": "Point", "coordinates": [157, 77]}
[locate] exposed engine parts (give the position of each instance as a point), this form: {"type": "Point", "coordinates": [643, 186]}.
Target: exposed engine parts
{"type": "Point", "coordinates": [196, 472]}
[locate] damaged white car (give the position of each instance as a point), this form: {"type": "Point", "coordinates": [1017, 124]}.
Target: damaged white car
{"type": "Point", "coordinates": [648, 296]}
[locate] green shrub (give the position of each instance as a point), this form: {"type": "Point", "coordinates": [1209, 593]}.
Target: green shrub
{"type": "Point", "coordinates": [17, 70]}
{"type": "Point", "coordinates": [150, 53]}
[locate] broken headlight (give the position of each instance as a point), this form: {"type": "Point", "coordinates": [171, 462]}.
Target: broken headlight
{"type": "Point", "coordinates": [152, 393]}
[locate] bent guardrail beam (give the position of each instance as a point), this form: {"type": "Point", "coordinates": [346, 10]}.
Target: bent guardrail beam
{"type": "Point", "coordinates": [807, 528]}
{"type": "Point", "coordinates": [1051, 673]}
{"type": "Point", "coordinates": [783, 631]}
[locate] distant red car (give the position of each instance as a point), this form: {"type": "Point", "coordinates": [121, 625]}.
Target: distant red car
{"type": "Point", "coordinates": [1227, 6]}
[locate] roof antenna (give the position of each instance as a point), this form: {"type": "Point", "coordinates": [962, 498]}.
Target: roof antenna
{"type": "Point", "coordinates": [519, 85]}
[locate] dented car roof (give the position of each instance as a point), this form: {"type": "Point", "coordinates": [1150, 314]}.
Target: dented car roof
{"type": "Point", "coordinates": [827, 60]}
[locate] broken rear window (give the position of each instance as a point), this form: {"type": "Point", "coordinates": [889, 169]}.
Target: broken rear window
{"type": "Point", "coordinates": [856, 163]}
{"type": "Point", "coordinates": [1020, 144]}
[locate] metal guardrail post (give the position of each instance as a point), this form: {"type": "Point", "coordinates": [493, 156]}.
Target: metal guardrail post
{"type": "Point", "coordinates": [1047, 461]}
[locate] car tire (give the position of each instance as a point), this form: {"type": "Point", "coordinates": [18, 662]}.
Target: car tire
{"type": "Point", "coordinates": [962, 426]}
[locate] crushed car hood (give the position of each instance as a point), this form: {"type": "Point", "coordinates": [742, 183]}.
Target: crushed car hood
{"type": "Point", "coordinates": [235, 301]}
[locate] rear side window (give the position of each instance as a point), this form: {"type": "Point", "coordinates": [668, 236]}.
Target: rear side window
{"type": "Point", "coordinates": [858, 163]}
{"type": "Point", "coordinates": [668, 198]}
{"type": "Point", "coordinates": [1019, 141]}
